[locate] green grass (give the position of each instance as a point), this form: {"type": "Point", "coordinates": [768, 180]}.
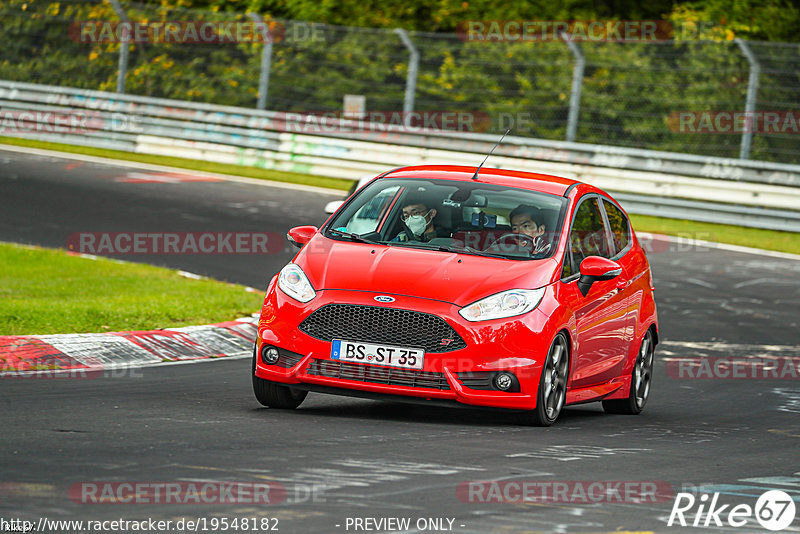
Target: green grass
{"type": "Point", "coordinates": [736, 235]}
{"type": "Point", "coordinates": [46, 291]}
{"type": "Point", "coordinates": [722, 233]}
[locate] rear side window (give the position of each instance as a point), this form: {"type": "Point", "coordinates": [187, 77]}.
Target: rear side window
{"type": "Point", "coordinates": [620, 229]}
{"type": "Point", "coordinates": [587, 236]}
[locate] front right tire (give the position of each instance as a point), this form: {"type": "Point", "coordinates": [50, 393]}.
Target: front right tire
{"type": "Point", "coordinates": [552, 392]}
{"type": "Point", "coordinates": [273, 395]}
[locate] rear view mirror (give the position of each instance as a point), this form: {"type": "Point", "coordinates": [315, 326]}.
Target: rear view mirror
{"type": "Point", "coordinates": [594, 268]}
{"type": "Point", "coordinates": [300, 235]}
{"type": "Point", "coordinates": [476, 201]}
{"type": "Point", "coordinates": [466, 199]}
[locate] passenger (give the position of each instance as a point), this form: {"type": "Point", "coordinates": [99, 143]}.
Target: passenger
{"type": "Point", "coordinates": [529, 221]}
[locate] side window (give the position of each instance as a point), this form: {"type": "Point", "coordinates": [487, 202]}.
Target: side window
{"type": "Point", "coordinates": [620, 229]}
{"type": "Point", "coordinates": [587, 236]}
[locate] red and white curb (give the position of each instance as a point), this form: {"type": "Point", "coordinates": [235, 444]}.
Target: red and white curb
{"type": "Point", "coordinates": [57, 354]}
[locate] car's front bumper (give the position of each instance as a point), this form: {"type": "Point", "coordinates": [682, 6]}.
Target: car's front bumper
{"type": "Point", "coordinates": [517, 345]}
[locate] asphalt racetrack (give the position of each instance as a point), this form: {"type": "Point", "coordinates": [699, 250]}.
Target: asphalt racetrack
{"type": "Point", "coordinates": [342, 460]}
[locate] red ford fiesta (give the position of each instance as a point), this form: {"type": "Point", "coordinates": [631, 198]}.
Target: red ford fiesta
{"type": "Point", "coordinates": [444, 284]}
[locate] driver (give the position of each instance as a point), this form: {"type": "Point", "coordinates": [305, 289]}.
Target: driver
{"type": "Point", "coordinates": [418, 218]}
{"type": "Point", "coordinates": [528, 220]}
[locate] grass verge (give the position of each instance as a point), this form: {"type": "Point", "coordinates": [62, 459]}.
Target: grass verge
{"type": "Point", "coordinates": [721, 233]}
{"type": "Point", "coordinates": [735, 235]}
{"type": "Point", "coordinates": [46, 291]}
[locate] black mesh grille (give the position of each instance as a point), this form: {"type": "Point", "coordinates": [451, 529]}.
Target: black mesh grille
{"type": "Point", "coordinates": [288, 359]}
{"type": "Point", "coordinates": [476, 380]}
{"type": "Point", "coordinates": [378, 375]}
{"type": "Point", "coordinates": [374, 324]}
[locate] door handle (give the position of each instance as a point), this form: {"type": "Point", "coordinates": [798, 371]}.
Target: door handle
{"type": "Point", "coordinates": [622, 284]}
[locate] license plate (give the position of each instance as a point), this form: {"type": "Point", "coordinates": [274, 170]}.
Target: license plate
{"type": "Point", "coordinates": [369, 353]}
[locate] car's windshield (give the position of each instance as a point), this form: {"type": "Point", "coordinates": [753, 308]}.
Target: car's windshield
{"type": "Point", "coordinates": [473, 218]}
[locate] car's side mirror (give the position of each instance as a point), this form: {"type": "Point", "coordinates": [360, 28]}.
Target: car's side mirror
{"type": "Point", "coordinates": [594, 268]}
{"type": "Point", "coordinates": [300, 235]}
{"type": "Point", "coordinates": [333, 205]}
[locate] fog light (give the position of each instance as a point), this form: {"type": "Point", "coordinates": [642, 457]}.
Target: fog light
{"type": "Point", "coordinates": [503, 381]}
{"type": "Point", "coordinates": [270, 355]}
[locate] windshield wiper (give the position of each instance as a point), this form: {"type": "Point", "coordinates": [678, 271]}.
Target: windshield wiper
{"type": "Point", "coordinates": [444, 248]}
{"type": "Point", "coordinates": [352, 237]}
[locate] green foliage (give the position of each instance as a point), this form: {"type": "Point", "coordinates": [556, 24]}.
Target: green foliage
{"type": "Point", "coordinates": [630, 95]}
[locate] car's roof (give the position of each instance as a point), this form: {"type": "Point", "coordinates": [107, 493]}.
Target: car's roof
{"type": "Point", "coordinates": [524, 180]}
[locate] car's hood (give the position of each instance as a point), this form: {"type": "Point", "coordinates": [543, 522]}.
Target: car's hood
{"type": "Point", "coordinates": [456, 278]}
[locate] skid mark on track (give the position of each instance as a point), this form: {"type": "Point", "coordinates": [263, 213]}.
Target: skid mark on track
{"type": "Point", "coordinates": [415, 436]}
{"type": "Point", "coordinates": [569, 453]}
{"type": "Point", "coordinates": [782, 432]}
{"type": "Point", "coordinates": [790, 399]}
{"type": "Point", "coordinates": [689, 436]}
{"type": "Point", "coordinates": [364, 473]}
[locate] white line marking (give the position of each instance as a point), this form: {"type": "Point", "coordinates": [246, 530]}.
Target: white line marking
{"type": "Point", "coordinates": [699, 282]}
{"type": "Point", "coordinates": [179, 170]}
{"type": "Point", "coordinates": [777, 281]}
{"type": "Point", "coordinates": [187, 274]}
{"type": "Point", "coordinates": [779, 481]}
{"type": "Point", "coordinates": [722, 346]}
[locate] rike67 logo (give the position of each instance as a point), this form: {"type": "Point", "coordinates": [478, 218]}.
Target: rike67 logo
{"type": "Point", "coordinates": [774, 510]}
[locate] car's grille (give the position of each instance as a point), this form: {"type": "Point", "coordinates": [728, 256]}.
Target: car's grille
{"type": "Point", "coordinates": [374, 324]}
{"type": "Point", "coordinates": [378, 375]}
{"type": "Point", "coordinates": [476, 380]}
{"type": "Point", "coordinates": [288, 359]}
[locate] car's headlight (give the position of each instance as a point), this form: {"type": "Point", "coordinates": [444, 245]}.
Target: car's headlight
{"type": "Point", "coordinates": [506, 304]}
{"type": "Point", "coordinates": [294, 282]}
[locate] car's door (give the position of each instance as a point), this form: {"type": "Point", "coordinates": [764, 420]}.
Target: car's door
{"type": "Point", "coordinates": [601, 317]}
{"type": "Point", "coordinates": [630, 286]}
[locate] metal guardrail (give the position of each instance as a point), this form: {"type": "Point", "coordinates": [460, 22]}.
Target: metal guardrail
{"type": "Point", "coordinates": [747, 193]}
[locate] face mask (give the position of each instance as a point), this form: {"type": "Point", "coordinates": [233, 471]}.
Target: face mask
{"type": "Point", "coordinates": [417, 224]}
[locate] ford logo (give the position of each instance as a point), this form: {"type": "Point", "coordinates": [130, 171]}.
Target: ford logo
{"type": "Point", "coordinates": [384, 298]}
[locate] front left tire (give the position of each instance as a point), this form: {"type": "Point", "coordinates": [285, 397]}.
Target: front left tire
{"type": "Point", "coordinates": [273, 395]}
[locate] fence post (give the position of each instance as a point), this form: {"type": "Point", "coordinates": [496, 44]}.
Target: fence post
{"type": "Point", "coordinates": [413, 67]}
{"type": "Point", "coordinates": [124, 45]}
{"type": "Point", "coordinates": [577, 84]}
{"type": "Point", "coordinates": [750, 103]}
{"type": "Point", "coordinates": [266, 62]}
